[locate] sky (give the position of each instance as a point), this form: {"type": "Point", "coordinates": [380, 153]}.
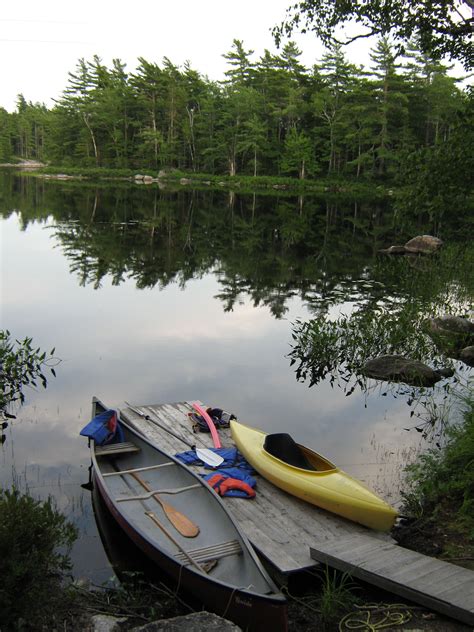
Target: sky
{"type": "Point", "coordinates": [41, 42]}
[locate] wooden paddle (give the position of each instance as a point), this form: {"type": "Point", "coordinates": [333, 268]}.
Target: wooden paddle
{"type": "Point", "coordinates": [180, 522]}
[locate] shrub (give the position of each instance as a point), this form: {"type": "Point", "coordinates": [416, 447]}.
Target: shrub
{"type": "Point", "coordinates": [442, 481]}
{"type": "Point", "coordinates": [35, 540]}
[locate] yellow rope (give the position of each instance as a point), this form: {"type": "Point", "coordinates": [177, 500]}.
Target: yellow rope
{"type": "Point", "coordinates": [364, 621]}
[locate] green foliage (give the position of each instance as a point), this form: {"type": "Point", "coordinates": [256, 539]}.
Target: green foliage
{"type": "Point", "coordinates": [21, 365]}
{"type": "Point", "coordinates": [34, 543]}
{"type": "Point", "coordinates": [437, 180]}
{"type": "Point", "coordinates": [270, 115]}
{"type": "Point", "coordinates": [440, 485]}
{"type": "Point", "coordinates": [438, 24]}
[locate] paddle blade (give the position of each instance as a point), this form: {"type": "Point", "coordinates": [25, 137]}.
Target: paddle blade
{"type": "Point", "coordinates": [209, 457]}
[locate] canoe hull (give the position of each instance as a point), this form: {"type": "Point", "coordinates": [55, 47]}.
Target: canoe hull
{"type": "Point", "coordinates": [237, 588]}
{"type": "Point", "coordinates": [330, 489]}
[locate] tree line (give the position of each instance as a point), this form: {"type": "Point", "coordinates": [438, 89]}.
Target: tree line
{"type": "Point", "coordinates": [272, 116]}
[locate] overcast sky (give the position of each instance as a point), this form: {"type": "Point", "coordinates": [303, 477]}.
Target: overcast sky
{"type": "Point", "coordinates": [42, 40]}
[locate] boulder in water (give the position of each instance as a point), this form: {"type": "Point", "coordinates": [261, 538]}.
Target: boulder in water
{"type": "Point", "coordinates": [420, 245]}
{"type": "Point", "coordinates": [452, 325]}
{"type": "Point", "coordinates": [467, 355]}
{"type": "Point", "coordinates": [423, 244]}
{"type": "Point", "coordinates": [395, 368]}
{"type": "Point", "coordinates": [453, 335]}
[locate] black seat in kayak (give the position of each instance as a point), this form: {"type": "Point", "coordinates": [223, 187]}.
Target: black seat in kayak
{"type": "Point", "coordinates": [283, 446]}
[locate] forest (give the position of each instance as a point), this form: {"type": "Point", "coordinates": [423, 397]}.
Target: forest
{"type": "Point", "coordinates": [271, 116]}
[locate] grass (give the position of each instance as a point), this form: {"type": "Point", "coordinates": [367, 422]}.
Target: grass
{"type": "Point", "coordinates": [337, 596]}
{"type": "Point", "coordinates": [328, 596]}
{"type": "Point", "coordinates": [242, 183]}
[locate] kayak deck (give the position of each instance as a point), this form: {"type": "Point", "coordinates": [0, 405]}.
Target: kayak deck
{"type": "Point", "coordinates": [282, 527]}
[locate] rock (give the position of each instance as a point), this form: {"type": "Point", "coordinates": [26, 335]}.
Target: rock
{"type": "Point", "coordinates": [147, 179]}
{"type": "Point", "coordinates": [423, 244]}
{"type": "Point", "coordinates": [195, 622]}
{"type": "Point", "coordinates": [394, 368]}
{"type": "Point", "coordinates": [104, 623]}
{"type": "Point", "coordinates": [454, 336]}
{"type": "Point", "coordinates": [467, 355]}
{"type": "Point", "coordinates": [456, 325]}
{"type": "Point", "coordinates": [185, 181]}
{"type": "Point", "coordinates": [138, 176]}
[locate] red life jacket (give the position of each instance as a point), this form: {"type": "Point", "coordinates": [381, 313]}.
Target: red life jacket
{"type": "Point", "coordinates": [223, 484]}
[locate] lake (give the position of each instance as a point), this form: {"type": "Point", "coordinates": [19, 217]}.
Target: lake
{"type": "Point", "coordinates": [157, 295]}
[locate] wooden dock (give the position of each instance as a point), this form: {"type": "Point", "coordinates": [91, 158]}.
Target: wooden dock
{"type": "Point", "coordinates": [437, 585]}
{"type": "Point", "coordinates": [293, 535]}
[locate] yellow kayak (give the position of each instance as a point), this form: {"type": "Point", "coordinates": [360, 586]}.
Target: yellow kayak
{"type": "Point", "coordinates": [309, 476]}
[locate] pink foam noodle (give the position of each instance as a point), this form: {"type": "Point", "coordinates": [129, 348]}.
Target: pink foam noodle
{"type": "Point", "coordinates": [210, 423]}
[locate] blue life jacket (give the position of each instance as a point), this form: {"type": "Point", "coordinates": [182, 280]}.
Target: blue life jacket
{"type": "Point", "coordinates": [232, 458]}
{"type": "Point", "coordinates": [104, 428]}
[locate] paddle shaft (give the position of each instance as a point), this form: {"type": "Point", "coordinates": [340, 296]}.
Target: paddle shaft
{"type": "Point", "coordinates": [157, 423]}
{"type": "Point", "coordinates": [180, 522]}
{"type": "Point", "coordinates": [151, 515]}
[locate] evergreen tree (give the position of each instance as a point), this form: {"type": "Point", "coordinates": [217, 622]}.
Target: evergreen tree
{"type": "Point", "coordinates": [391, 104]}
{"type": "Point", "coordinates": [330, 103]}
{"type": "Point", "coordinates": [238, 58]}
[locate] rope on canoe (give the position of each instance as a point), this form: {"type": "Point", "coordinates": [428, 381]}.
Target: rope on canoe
{"type": "Point", "coordinates": [223, 615]}
{"type": "Point", "coordinates": [386, 616]}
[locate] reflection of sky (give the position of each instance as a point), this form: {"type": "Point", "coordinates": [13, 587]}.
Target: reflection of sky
{"type": "Point", "coordinates": [150, 346]}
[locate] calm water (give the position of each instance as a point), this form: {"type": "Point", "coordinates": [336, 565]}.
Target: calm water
{"type": "Point", "coordinates": [158, 296]}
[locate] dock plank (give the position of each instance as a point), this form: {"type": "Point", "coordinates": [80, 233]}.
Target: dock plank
{"type": "Point", "coordinates": [433, 583]}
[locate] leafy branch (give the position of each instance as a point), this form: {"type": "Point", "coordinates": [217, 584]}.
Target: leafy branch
{"type": "Point", "coordinates": [22, 365]}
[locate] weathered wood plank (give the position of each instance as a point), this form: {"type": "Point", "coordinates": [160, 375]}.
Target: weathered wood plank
{"type": "Point", "coordinates": [435, 584]}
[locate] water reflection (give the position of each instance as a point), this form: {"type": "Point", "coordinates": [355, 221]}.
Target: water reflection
{"type": "Point", "coordinates": [153, 296]}
{"type": "Point", "coordinates": [270, 248]}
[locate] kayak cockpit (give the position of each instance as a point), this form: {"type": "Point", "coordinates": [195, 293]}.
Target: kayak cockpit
{"type": "Point", "coordinates": [283, 447]}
